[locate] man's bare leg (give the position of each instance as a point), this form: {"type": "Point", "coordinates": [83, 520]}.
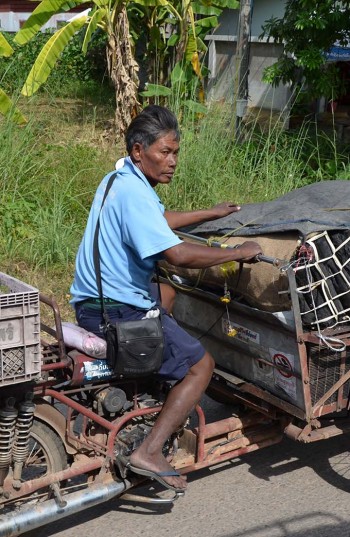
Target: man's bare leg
{"type": "Point", "coordinates": [179, 403]}
{"type": "Point", "coordinates": [168, 295]}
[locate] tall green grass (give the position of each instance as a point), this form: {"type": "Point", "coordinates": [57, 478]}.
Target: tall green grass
{"type": "Point", "coordinates": [49, 171]}
{"type": "Point", "coordinates": [47, 183]}
{"type": "Point", "coordinates": [215, 166]}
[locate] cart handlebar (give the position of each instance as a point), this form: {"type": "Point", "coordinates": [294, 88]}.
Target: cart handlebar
{"type": "Point", "coordinates": [271, 260]}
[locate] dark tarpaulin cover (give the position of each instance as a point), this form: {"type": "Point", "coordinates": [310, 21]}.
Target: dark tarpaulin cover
{"type": "Point", "coordinates": [317, 207]}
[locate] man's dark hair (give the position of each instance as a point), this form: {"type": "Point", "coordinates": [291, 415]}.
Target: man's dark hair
{"type": "Point", "coordinates": [152, 123]}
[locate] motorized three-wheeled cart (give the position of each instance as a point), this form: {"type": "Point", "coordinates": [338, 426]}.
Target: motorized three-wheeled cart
{"type": "Point", "coordinates": [280, 339]}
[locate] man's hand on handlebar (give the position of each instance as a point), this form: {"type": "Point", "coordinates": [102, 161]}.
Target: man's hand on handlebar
{"type": "Point", "coordinates": [248, 251]}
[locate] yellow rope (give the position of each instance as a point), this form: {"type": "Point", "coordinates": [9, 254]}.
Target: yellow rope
{"type": "Point", "coordinates": [187, 289]}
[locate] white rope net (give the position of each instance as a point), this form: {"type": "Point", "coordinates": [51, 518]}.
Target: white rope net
{"type": "Point", "coordinates": [322, 271]}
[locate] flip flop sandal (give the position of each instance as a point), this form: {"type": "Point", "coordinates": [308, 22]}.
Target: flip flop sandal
{"type": "Point", "coordinates": [158, 476]}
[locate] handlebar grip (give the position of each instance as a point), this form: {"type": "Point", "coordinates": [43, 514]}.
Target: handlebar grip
{"type": "Point", "coordinates": [271, 260]}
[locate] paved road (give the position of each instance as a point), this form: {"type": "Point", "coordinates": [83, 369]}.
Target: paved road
{"type": "Point", "coordinates": [287, 490]}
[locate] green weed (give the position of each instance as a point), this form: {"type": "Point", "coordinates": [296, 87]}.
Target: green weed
{"type": "Point", "coordinates": [49, 171]}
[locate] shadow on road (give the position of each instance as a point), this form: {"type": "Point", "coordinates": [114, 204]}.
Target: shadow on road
{"type": "Point", "coordinates": [320, 524]}
{"type": "Point", "coordinates": [330, 459]}
{"type": "Point", "coordinates": [285, 457]}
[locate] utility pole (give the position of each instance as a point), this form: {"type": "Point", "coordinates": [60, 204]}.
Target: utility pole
{"type": "Point", "coordinates": [242, 62]}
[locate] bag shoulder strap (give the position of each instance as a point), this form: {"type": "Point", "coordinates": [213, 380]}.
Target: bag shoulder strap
{"type": "Point", "coordinates": [97, 263]}
{"type": "Point", "coordinates": [96, 253]}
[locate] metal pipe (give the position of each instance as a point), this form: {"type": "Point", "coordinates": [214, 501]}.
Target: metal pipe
{"type": "Point", "coordinates": [216, 244]}
{"type": "Point", "coordinates": [28, 487]}
{"type": "Point", "coordinates": [230, 425]}
{"type": "Point", "coordinates": [58, 324]}
{"type": "Point", "coordinates": [63, 364]}
{"type": "Point", "coordinates": [232, 454]}
{"type": "Point", "coordinates": [34, 516]}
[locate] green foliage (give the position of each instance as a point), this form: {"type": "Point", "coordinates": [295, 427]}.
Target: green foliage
{"type": "Point", "coordinates": [182, 90]}
{"type": "Point", "coordinates": [307, 31]}
{"type": "Point", "coordinates": [49, 55]}
{"type": "Point", "coordinates": [71, 70]}
{"type": "Point", "coordinates": [47, 184]}
{"type": "Point", "coordinates": [213, 166]}
{"type": "Point", "coordinates": [166, 44]}
{"type": "Point", "coordinates": [7, 107]}
{"type": "Point", "coordinates": [50, 170]}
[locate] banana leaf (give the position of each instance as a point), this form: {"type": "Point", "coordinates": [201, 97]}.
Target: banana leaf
{"type": "Point", "coordinates": [156, 90]}
{"type": "Point", "coordinates": [5, 48]}
{"type": "Point", "coordinates": [7, 108]}
{"type": "Point", "coordinates": [96, 18]}
{"type": "Point", "coordinates": [208, 11]}
{"type": "Point", "coordinates": [152, 3]}
{"type": "Point", "coordinates": [195, 107]}
{"type": "Point", "coordinates": [208, 22]}
{"type": "Point", "coordinates": [41, 14]}
{"type": "Point", "coordinates": [49, 55]}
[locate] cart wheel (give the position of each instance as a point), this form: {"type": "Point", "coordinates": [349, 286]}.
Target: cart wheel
{"type": "Point", "coordinates": [339, 465]}
{"type": "Point", "coordinates": [333, 464]}
{"type": "Point", "coordinates": [46, 454]}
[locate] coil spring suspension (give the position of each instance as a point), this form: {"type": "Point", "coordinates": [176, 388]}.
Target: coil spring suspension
{"type": "Point", "coordinates": [8, 416]}
{"type": "Point", "coordinates": [22, 433]}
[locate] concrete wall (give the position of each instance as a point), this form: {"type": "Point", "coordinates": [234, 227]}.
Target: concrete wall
{"type": "Point", "coordinates": [262, 10]}
{"type": "Point", "coordinates": [222, 83]}
{"type": "Point", "coordinates": [11, 21]}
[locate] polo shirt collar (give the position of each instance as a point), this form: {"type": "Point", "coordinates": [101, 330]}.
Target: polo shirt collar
{"type": "Point", "coordinates": [137, 172]}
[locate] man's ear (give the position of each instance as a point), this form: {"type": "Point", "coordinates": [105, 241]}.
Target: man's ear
{"type": "Point", "coordinates": [136, 152]}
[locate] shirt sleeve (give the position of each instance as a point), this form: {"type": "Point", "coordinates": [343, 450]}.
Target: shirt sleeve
{"type": "Point", "coordinates": [144, 226]}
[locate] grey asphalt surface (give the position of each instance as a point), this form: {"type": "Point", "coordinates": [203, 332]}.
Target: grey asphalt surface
{"type": "Point", "coordinates": [287, 490]}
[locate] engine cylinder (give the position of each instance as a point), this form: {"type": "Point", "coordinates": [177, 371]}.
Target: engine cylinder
{"type": "Point", "coordinates": [112, 399]}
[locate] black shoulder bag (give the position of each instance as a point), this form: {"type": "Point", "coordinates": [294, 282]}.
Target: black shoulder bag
{"type": "Point", "coordinates": [134, 348]}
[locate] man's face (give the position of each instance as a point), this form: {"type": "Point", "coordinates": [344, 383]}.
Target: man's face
{"type": "Point", "coordinates": [158, 161]}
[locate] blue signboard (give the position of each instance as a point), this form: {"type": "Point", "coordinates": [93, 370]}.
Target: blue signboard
{"type": "Point", "coordinates": [338, 54]}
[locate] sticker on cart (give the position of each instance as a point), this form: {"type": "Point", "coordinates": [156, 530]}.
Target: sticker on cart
{"type": "Point", "coordinates": [284, 372]}
{"type": "Point", "coordinates": [243, 334]}
{"type": "Point", "coordinates": [96, 370]}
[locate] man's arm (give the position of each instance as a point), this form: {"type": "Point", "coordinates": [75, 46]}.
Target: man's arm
{"type": "Point", "coordinates": [197, 256]}
{"type": "Point", "coordinates": [177, 219]}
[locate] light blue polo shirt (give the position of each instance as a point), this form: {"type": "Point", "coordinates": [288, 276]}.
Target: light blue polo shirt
{"type": "Point", "coordinates": [133, 235]}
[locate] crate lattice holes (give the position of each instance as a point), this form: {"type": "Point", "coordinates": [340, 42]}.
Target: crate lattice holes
{"type": "Point", "coordinates": [20, 353]}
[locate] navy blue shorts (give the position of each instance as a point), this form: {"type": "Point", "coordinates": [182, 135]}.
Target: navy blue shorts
{"type": "Point", "coordinates": [181, 350]}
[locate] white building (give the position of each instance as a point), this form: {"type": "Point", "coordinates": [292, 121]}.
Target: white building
{"type": "Point", "coordinates": [14, 13]}
{"type": "Point", "coordinates": [223, 61]}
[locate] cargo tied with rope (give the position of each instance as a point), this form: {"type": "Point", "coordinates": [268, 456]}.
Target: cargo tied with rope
{"type": "Point", "coordinates": [260, 285]}
{"type": "Point", "coordinates": [283, 330]}
{"type": "Point", "coordinates": [308, 229]}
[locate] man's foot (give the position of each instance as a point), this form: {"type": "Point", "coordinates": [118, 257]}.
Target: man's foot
{"type": "Point", "coordinates": [157, 467]}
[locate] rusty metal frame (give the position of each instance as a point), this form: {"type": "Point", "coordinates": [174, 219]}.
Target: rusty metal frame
{"type": "Point", "coordinates": [208, 444]}
{"type": "Point", "coordinates": [319, 408]}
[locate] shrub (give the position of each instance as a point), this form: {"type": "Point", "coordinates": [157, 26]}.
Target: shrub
{"type": "Point", "coordinates": [71, 71]}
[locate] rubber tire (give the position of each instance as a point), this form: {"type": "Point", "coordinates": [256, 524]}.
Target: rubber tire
{"type": "Point", "coordinates": [52, 444]}
{"type": "Point", "coordinates": [56, 456]}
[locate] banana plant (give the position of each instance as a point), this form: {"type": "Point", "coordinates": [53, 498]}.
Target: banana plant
{"type": "Point", "coordinates": [175, 43]}
{"type": "Point", "coordinates": [111, 17]}
{"type": "Point", "coordinates": [187, 20]}
{"type": "Point", "coordinates": [7, 107]}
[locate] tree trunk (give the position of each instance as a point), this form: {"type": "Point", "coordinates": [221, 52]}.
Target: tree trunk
{"type": "Point", "coordinates": [123, 71]}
